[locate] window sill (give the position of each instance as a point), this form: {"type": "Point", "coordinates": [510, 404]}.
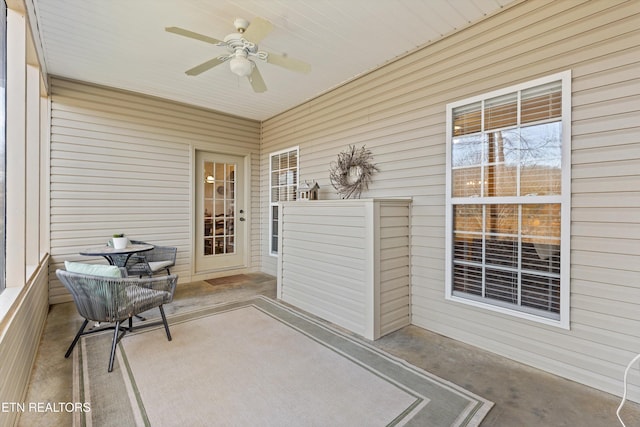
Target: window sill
{"type": "Point", "coordinates": [8, 299]}
{"type": "Point", "coordinates": [564, 324]}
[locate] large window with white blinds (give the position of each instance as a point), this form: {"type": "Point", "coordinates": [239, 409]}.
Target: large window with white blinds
{"type": "Point", "coordinates": [508, 178]}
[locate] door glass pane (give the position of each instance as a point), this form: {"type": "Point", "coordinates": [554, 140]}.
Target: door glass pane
{"type": "Point", "coordinates": [219, 203]}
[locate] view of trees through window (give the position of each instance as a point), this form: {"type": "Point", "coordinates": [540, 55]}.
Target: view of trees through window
{"type": "Point", "coordinates": [506, 177]}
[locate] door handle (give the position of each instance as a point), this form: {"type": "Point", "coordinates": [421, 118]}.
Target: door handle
{"type": "Point", "coordinates": [241, 219]}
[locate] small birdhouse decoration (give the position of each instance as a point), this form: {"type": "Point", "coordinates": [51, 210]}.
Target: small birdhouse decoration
{"type": "Point", "coordinates": [308, 191]}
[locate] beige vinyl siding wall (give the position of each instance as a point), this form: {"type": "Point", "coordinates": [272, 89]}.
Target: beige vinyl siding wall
{"type": "Point", "coordinates": [22, 328]}
{"type": "Point", "coordinates": [398, 112]}
{"type": "Point", "coordinates": [123, 162]}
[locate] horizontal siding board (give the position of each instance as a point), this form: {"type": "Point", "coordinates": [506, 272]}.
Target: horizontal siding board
{"type": "Point", "coordinates": [389, 267]}
{"type": "Point", "coordinates": [597, 141]}
{"type": "Point", "coordinates": [399, 307]}
{"type": "Point", "coordinates": [395, 310]}
{"type": "Point", "coordinates": [349, 248]}
{"type": "Point", "coordinates": [608, 154]}
{"type": "Point", "coordinates": [395, 252]}
{"type": "Point", "coordinates": [394, 273]}
{"type": "Point", "coordinates": [394, 243]}
{"type": "Point", "coordinates": [625, 310]}
{"type": "Point", "coordinates": [620, 184]}
{"type": "Point", "coordinates": [392, 231]}
{"type": "Point", "coordinates": [348, 276]}
{"type": "Point", "coordinates": [355, 234]}
{"type": "Point", "coordinates": [313, 237]}
{"type": "Point", "coordinates": [596, 214]}
{"type": "Point", "coordinates": [336, 316]}
{"type": "Point", "coordinates": [618, 168]}
{"type": "Point", "coordinates": [326, 298]}
{"type": "Point", "coordinates": [326, 292]}
{"type": "Point", "coordinates": [393, 286]}
{"type": "Point", "coordinates": [627, 246]}
{"type": "Point", "coordinates": [608, 279]}
{"type": "Point", "coordinates": [326, 220]}
{"type": "Point", "coordinates": [391, 325]}
{"type": "Point", "coordinates": [396, 289]}
{"type": "Point", "coordinates": [604, 124]}
{"type": "Point", "coordinates": [630, 199]}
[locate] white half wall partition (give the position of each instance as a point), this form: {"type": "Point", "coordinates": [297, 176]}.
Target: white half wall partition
{"type": "Point", "coordinates": [347, 261]}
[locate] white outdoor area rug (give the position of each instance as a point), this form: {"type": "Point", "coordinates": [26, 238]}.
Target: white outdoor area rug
{"type": "Point", "coordinates": [259, 363]}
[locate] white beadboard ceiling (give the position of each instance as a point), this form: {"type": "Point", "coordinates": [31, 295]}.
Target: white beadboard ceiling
{"type": "Point", "coordinates": [123, 44]}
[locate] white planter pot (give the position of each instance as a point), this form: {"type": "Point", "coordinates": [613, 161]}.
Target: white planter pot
{"type": "Point", "coordinates": [120, 242]}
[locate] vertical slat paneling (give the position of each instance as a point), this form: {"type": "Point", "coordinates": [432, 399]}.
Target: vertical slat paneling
{"type": "Point", "coordinates": [122, 163]}
{"type": "Point", "coordinates": [398, 112]}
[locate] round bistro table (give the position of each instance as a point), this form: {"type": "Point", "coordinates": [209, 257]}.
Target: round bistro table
{"type": "Point", "coordinates": [114, 256]}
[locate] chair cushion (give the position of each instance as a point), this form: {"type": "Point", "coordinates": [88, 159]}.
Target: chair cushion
{"type": "Point", "coordinates": [159, 265]}
{"type": "Point", "coordinates": [93, 269]}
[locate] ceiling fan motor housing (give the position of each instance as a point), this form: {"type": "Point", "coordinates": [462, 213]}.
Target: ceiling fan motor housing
{"type": "Point", "coordinates": [235, 41]}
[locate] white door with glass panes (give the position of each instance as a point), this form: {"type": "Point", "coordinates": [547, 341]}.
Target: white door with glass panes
{"type": "Point", "coordinates": [220, 212]}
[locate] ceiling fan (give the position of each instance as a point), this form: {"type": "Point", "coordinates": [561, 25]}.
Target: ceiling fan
{"type": "Point", "coordinates": [243, 51]}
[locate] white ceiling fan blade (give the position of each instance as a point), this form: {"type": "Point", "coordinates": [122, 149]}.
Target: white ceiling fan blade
{"type": "Point", "coordinates": [258, 29]}
{"type": "Point", "coordinates": [257, 83]}
{"type": "Point", "coordinates": [198, 69]}
{"type": "Point", "coordinates": [289, 63]}
{"type": "Point", "coordinates": [192, 35]}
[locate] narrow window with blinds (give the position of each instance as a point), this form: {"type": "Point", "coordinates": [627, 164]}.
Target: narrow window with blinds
{"type": "Point", "coordinates": [283, 186]}
{"type": "Point", "coordinates": [508, 200]}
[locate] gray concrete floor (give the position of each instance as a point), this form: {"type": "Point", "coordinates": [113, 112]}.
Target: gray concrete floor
{"type": "Point", "coordinates": [523, 396]}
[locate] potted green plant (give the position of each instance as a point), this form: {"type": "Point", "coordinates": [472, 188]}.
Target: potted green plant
{"type": "Point", "coordinates": [119, 241]}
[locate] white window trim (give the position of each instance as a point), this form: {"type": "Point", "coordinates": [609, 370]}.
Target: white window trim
{"type": "Point", "coordinates": [27, 128]}
{"type": "Point", "coordinates": [565, 198]}
{"type": "Point", "coordinates": [271, 203]}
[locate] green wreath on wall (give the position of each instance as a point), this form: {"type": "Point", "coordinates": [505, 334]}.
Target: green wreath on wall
{"type": "Point", "coordinates": [352, 172]}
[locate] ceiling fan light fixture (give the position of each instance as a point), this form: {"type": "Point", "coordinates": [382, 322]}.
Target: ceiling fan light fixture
{"type": "Point", "coordinates": [241, 66]}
